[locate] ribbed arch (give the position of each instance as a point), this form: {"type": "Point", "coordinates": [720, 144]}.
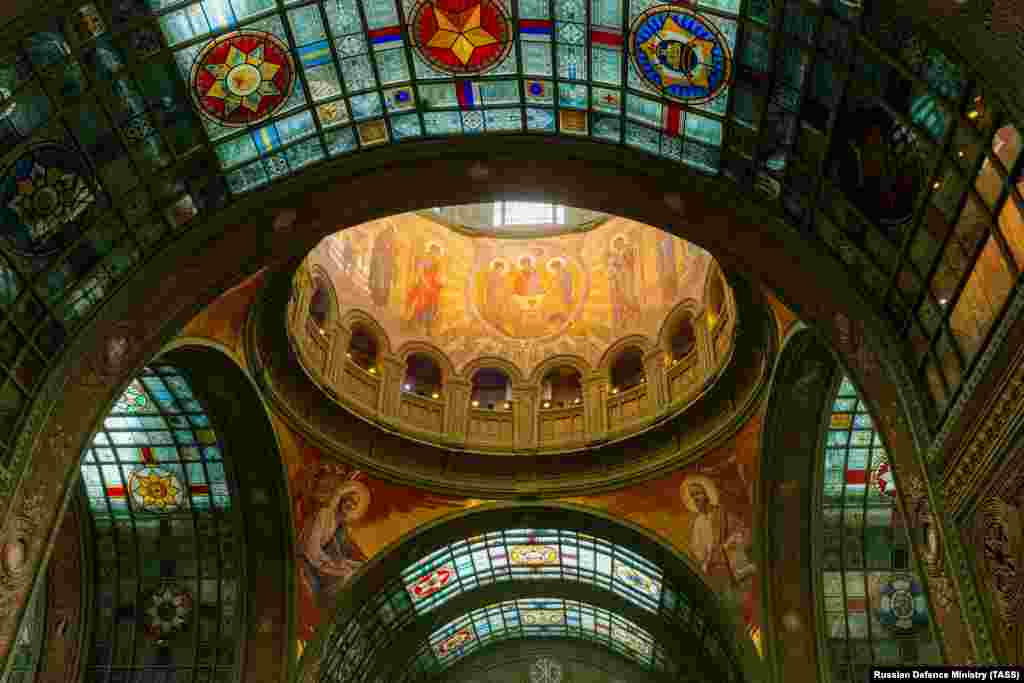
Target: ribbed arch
{"type": "Point", "coordinates": [166, 539]}
{"type": "Point", "coordinates": [874, 605]}
{"type": "Point", "coordinates": [535, 618]}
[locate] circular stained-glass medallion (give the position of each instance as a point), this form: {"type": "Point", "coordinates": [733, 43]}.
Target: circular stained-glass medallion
{"type": "Point", "coordinates": [43, 196]}
{"type": "Point", "coordinates": [680, 54]}
{"type": "Point", "coordinates": [154, 489]}
{"type": "Point", "coordinates": [461, 36]}
{"type": "Point", "coordinates": [242, 78]}
{"type": "Point", "coordinates": [903, 606]}
{"type": "Point", "coordinates": [167, 612]}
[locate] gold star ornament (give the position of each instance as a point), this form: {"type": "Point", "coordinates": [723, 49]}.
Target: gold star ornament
{"type": "Point", "coordinates": [243, 79]}
{"type": "Point", "coordinates": [684, 57]}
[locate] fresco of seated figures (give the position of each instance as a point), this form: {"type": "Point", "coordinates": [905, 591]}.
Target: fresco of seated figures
{"type": "Point", "coordinates": [524, 300]}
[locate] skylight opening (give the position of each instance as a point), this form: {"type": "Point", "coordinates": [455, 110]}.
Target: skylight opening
{"type": "Point", "coordinates": [528, 213]}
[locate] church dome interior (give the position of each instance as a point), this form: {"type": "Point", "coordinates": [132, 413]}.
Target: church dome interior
{"type": "Point", "coordinates": [501, 334]}
{"type": "Point", "coordinates": [508, 341]}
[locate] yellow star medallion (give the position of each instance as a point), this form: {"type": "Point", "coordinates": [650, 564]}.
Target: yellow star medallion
{"type": "Point", "coordinates": [243, 79]}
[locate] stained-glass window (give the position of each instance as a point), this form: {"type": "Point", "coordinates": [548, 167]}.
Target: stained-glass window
{"type": "Point", "coordinates": [358, 642]}
{"type": "Point", "coordinates": [536, 618]}
{"type": "Point", "coordinates": [166, 542]}
{"type": "Point", "coordinates": [875, 608]}
{"type": "Point", "coordinates": [525, 554]}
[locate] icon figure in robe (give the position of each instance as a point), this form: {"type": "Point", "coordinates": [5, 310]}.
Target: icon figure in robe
{"type": "Point", "coordinates": [424, 296]}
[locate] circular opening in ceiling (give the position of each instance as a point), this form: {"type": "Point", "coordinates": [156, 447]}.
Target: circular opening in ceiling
{"type": "Point", "coordinates": [515, 219]}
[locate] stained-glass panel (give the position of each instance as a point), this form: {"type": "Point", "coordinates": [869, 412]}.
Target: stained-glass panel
{"type": "Point", "coordinates": [513, 555]}
{"type": "Point", "coordinates": [875, 609]}
{"type": "Point", "coordinates": [536, 618]}
{"type": "Point", "coordinates": [166, 542]}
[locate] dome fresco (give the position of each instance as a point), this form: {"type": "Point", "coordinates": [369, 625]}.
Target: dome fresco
{"type": "Point", "coordinates": [522, 300]}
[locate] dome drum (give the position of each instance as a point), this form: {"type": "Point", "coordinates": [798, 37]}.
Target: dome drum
{"type": "Point", "coordinates": [534, 312]}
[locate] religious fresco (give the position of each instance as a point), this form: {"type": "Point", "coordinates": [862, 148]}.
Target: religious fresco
{"type": "Point", "coordinates": [519, 299]}
{"type": "Point", "coordinates": [343, 517]}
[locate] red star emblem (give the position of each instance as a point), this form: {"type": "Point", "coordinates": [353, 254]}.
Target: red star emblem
{"type": "Point", "coordinates": [461, 36]}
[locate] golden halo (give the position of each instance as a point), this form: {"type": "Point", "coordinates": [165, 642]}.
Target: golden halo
{"type": "Point", "coordinates": [709, 487]}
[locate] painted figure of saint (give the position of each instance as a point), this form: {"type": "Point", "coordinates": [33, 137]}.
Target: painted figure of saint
{"type": "Point", "coordinates": [526, 281]}
{"type": "Point", "coordinates": [328, 556]}
{"type": "Point", "coordinates": [718, 539]}
{"type": "Point", "coordinates": [563, 280]}
{"type": "Point", "coordinates": [382, 266]}
{"type": "Point", "coordinates": [425, 294]}
{"type": "Point", "coordinates": [622, 262]}
{"type": "Point", "coordinates": [667, 276]}
{"type": "Point", "coordinates": [495, 294]}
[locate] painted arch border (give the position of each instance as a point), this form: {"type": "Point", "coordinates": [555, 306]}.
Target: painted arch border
{"type": "Point", "coordinates": [172, 287]}
{"type": "Point", "coordinates": [389, 563]}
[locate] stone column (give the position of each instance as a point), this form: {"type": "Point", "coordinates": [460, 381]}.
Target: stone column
{"type": "Point", "coordinates": [657, 383]}
{"type": "Point", "coordinates": [524, 414]}
{"type": "Point", "coordinates": [595, 408]}
{"type": "Point", "coordinates": [456, 392]}
{"type": "Point", "coordinates": [391, 372]}
{"type": "Point", "coordinates": [706, 359]}
{"type": "Point", "coordinates": [334, 373]}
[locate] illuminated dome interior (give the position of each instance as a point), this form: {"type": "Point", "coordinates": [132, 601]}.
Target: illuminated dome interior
{"type": "Point", "coordinates": [587, 282]}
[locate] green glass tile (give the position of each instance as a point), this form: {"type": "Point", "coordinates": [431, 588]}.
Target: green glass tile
{"type": "Point", "coordinates": [392, 65]}
{"type": "Point", "coordinates": [306, 25]}
{"type": "Point", "coordinates": [340, 141]}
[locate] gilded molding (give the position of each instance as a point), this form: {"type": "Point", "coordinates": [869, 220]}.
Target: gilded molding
{"type": "Point", "coordinates": [983, 446]}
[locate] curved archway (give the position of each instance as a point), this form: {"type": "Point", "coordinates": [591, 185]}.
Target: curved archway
{"type": "Point", "coordinates": [495, 552]}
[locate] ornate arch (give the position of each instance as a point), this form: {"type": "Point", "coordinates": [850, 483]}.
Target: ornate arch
{"type": "Point", "coordinates": [318, 275]}
{"type": "Point", "coordinates": [580, 364]}
{"type": "Point", "coordinates": [690, 307]}
{"type": "Point", "coordinates": [444, 363]}
{"type": "Point", "coordinates": [511, 370]}
{"type": "Point", "coordinates": [409, 591]}
{"type": "Point", "coordinates": [612, 354]}
{"type": "Point", "coordinates": [356, 317]}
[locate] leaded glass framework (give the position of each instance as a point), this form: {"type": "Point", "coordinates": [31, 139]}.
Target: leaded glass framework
{"type": "Point", "coordinates": [355, 646]}
{"type": "Point", "coordinates": [169, 586]}
{"type": "Point", "coordinates": [875, 609]}
{"type": "Point", "coordinates": [535, 618]}
{"type": "Point", "coordinates": [110, 152]}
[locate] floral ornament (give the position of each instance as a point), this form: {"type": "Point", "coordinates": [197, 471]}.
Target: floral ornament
{"type": "Point", "coordinates": [47, 199]}
{"type": "Point", "coordinates": [242, 78]}
{"type": "Point", "coordinates": [154, 489]}
{"type": "Point", "coordinates": [167, 612]}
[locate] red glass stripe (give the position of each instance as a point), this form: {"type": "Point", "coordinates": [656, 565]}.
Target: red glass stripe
{"type": "Point", "coordinates": [389, 32]}
{"type": "Point", "coordinates": [673, 118]}
{"type": "Point", "coordinates": [610, 38]}
{"type": "Point", "coordinates": [856, 476]}
{"type": "Point", "coordinates": [534, 23]}
{"type": "Point", "coordinates": [115, 492]}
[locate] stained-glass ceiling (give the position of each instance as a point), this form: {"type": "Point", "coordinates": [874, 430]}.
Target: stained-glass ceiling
{"type": "Point", "coordinates": [876, 610]}
{"type": "Point", "coordinates": [535, 618]}
{"type": "Point", "coordinates": [358, 643]}
{"type": "Point", "coordinates": [125, 122]}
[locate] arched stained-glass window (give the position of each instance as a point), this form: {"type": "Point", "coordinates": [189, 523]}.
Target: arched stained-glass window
{"type": "Point", "coordinates": [535, 618]}
{"type": "Point", "coordinates": [169, 583]}
{"type": "Point", "coordinates": [876, 612]}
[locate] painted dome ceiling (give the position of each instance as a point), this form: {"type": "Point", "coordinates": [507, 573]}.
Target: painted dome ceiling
{"type": "Point", "coordinates": [523, 300]}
